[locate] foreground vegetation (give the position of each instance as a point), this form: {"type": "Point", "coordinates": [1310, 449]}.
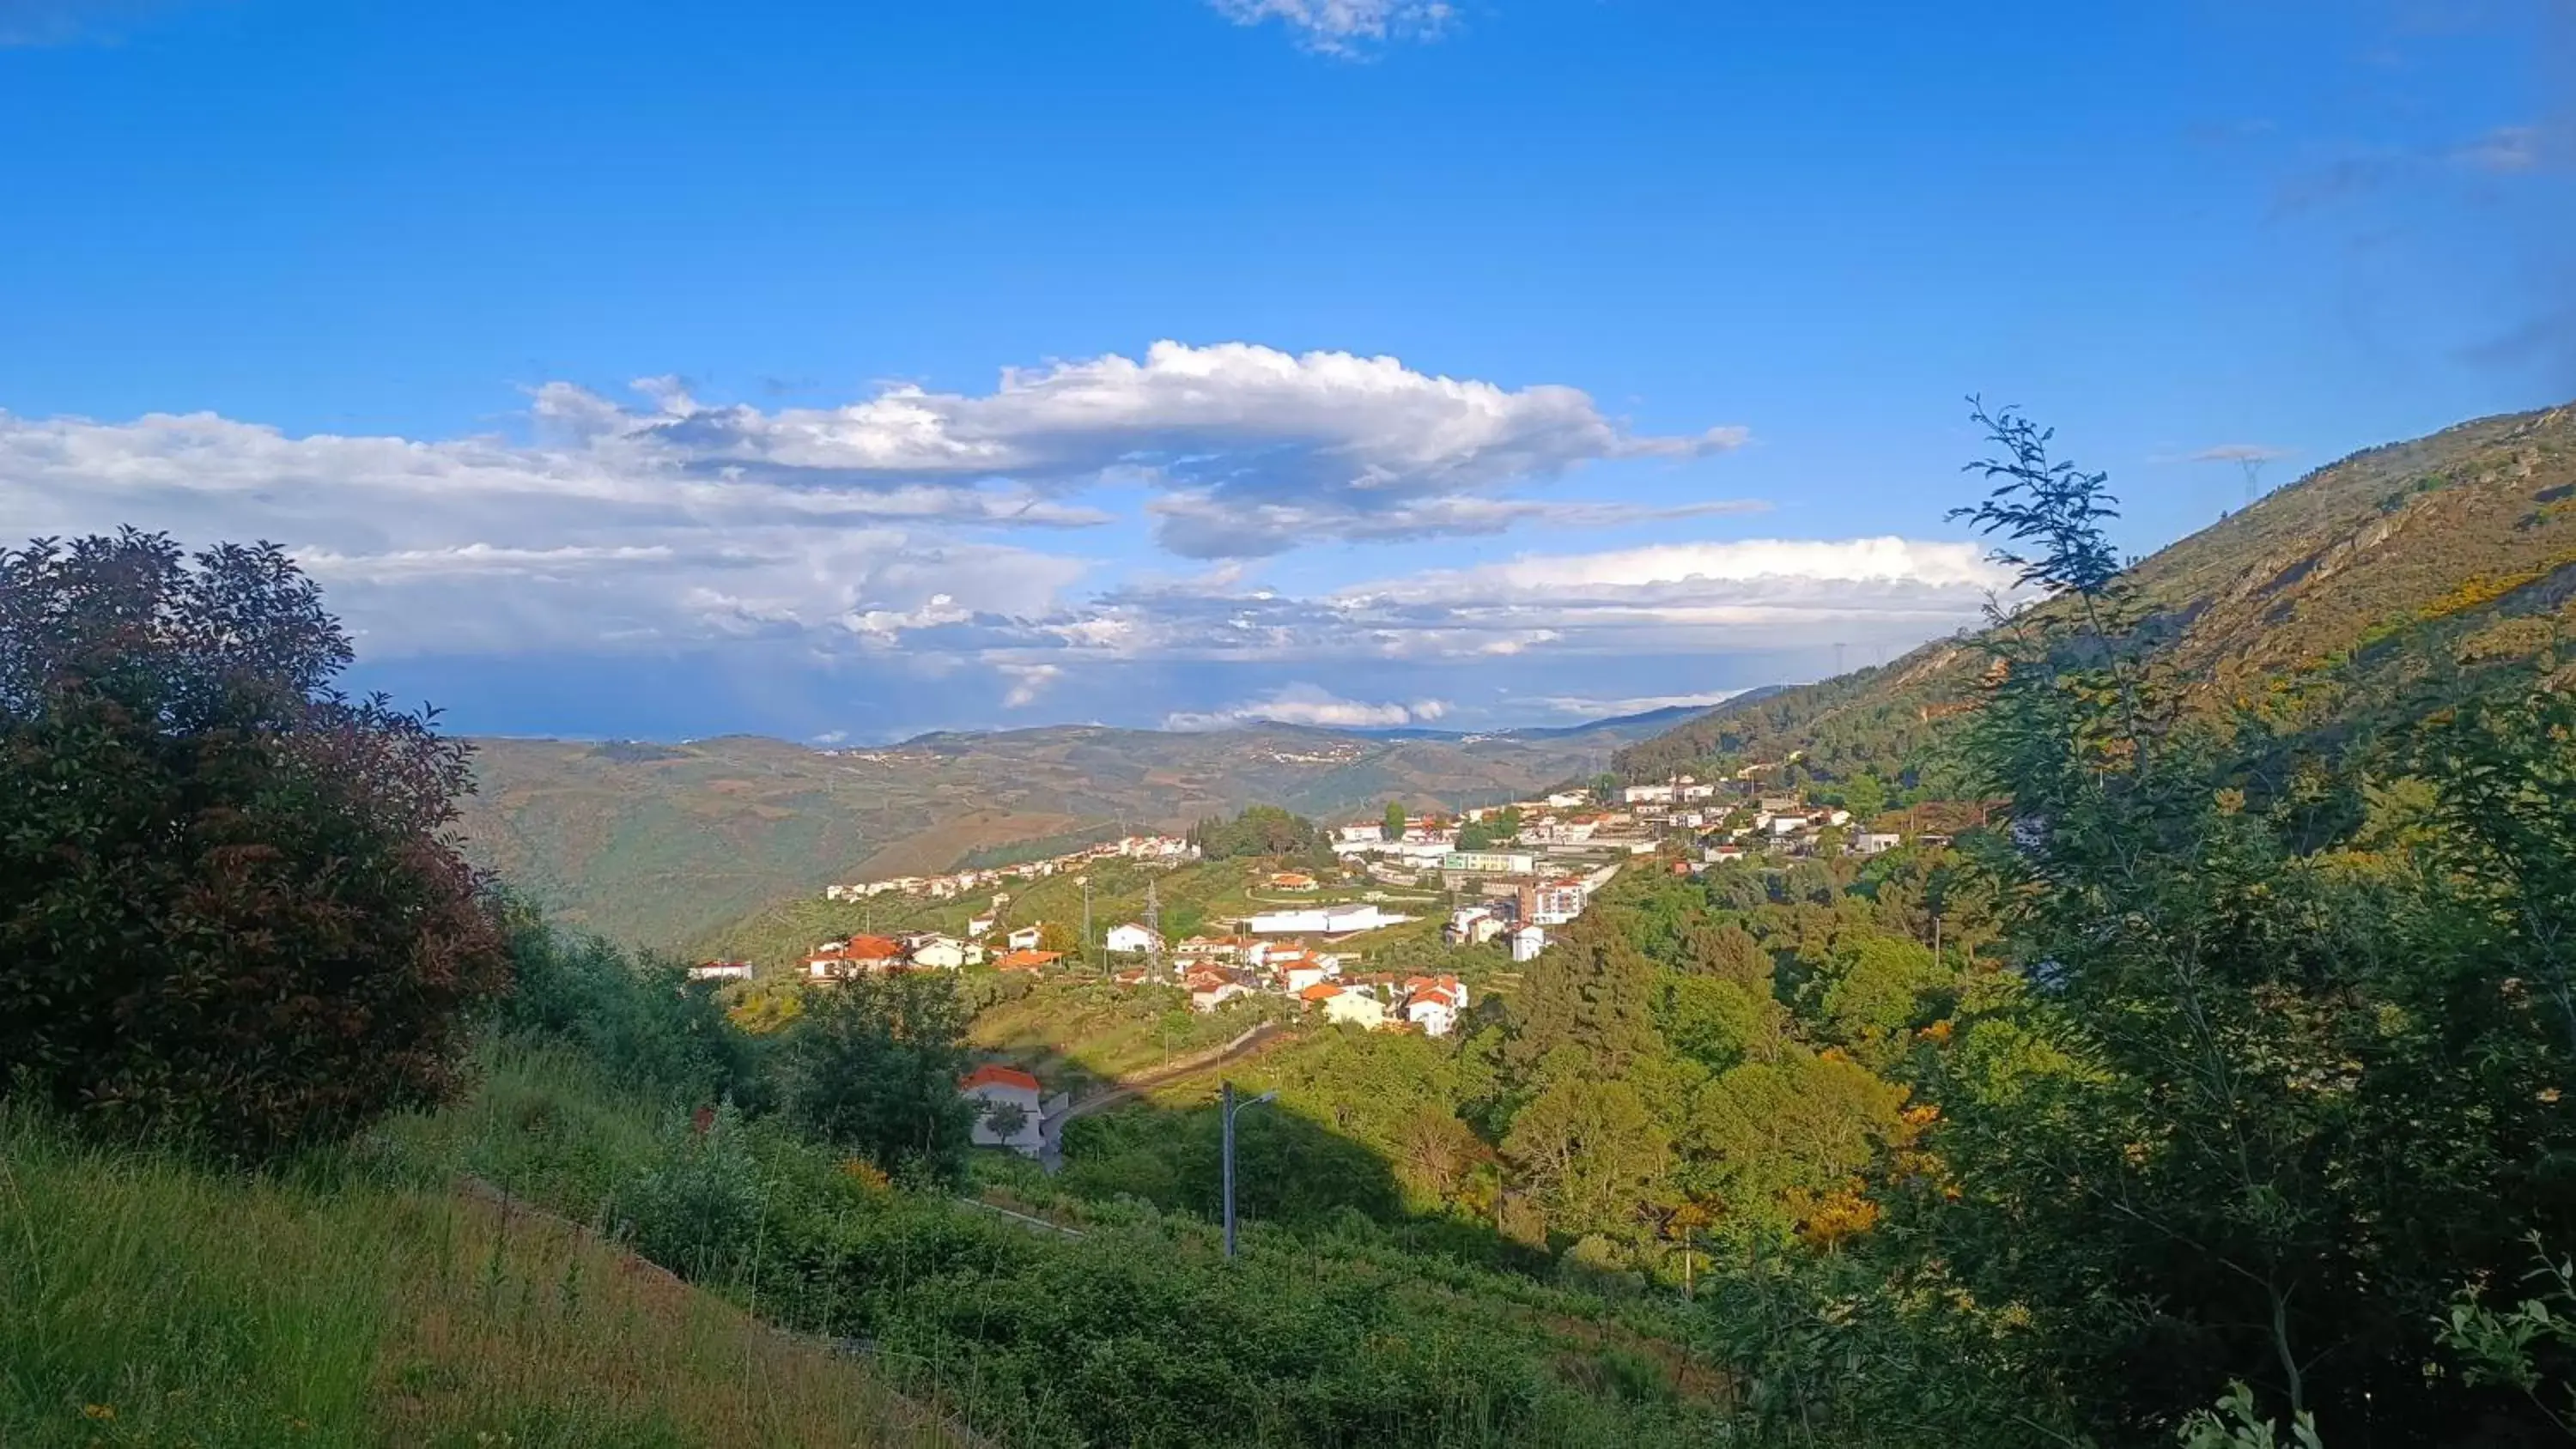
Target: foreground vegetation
{"type": "Point", "coordinates": [153, 1301]}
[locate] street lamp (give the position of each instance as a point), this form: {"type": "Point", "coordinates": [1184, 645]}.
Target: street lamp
{"type": "Point", "coordinates": [1231, 1106]}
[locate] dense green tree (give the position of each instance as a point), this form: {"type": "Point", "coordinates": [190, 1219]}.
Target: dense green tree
{"type": "Point", "coordinates": [1589, 995]}
{"type": "Point", "coordinates": [232, 908]}
{"type": "Point", "coordinates": [871, 1066]}
{"type": "Point", "coordinates": [1261, 830]}
{"type": "Point", "coordinates": [1771, 1140]}
{"type": "Point", "coordinates": [1591, 1154]}
{"type": "Point", "coordinates": [1393, 823]}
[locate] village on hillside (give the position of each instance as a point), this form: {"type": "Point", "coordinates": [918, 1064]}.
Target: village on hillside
{"type": "Point", "coordinates": [1505, 876]}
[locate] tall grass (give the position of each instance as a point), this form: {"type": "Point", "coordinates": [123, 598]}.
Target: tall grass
{"type": "Point", "coordinates": [144, 1300]}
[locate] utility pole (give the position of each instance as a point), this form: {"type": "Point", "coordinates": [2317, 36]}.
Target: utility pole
{"type": "Point", "coordinates": [1084, 881]}
{"type": "Point", "coordinates": [1229, 1106]}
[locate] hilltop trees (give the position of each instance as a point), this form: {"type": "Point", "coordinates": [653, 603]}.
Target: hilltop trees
{"type": "Point", "coordinates": [1261, 830]}
{"type": "Point", "coordinates": [230, 908]}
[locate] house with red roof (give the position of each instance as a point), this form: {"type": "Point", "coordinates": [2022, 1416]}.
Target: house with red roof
{"type": "Point", "coordinates": [1009, 1108]}
{"type": "Point", "coordinates": [834, 960]}
{"type": "Point", "coordinates": [1027, 960]}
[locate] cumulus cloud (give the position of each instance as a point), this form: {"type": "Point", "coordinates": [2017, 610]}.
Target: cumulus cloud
{"type": "Point", "coordinates": [1255, 450]}
{"type": "Point", "coordinates": [1028, 681]}
{"type": "Point", "coordinates": [1343, 27]}
{"type": "Point", "coordinates": [1307, 704]}
{"type": "Point", "coordinates": [481, 546]}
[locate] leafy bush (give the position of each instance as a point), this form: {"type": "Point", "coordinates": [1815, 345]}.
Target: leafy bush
{"type": "Point", "coordinates": [644, 1022]}
{"type": "Point", "coordinates": [231, 911]}
{"type": "Point", "coordinates": [872, 1066]}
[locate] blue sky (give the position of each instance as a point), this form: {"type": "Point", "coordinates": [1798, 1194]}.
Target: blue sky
{"type": "Point", "coordinates": [844, 371]}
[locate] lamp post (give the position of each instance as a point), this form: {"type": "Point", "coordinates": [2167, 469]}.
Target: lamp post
{"type": "Point", "coordinates": [1230, 1107]}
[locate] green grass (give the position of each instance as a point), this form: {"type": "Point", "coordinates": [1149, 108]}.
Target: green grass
{"type": "Point", "coordinates": [1071, 1032]}
{"type": "Point", "coordinates": [147, 1301]}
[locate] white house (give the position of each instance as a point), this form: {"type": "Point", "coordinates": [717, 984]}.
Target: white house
{"type": "Point", "coordinates": [995, 1089]}
{"type": "Point", "coordinates": [946, 953]}
{"type": "Point", "coordinates": [721, 971]}
{"type": "Point", "coordinates": [982, 926]}
{"type": "Point", "coordinates": [1305, 970]}
{"type": "Point", "coordinates": [1643, 794]}
{"type": "Point", "coordinates": [1433, 1014]}
{"type": "Point", "coordinates": [1527, 942]}
{"type": "Point", "coordinates": [1353, 1006]}
{"type": "Point", "coordinates": [1875, 842]}
{"type": "Point", "coordinates": [1209, 995]}
{"type": "Point", "coordinates": [1024, 939]}
{"type": "Point", "coordinates": [1130, 939]}
{"type": "Point", "coordinates": [1569, 799]}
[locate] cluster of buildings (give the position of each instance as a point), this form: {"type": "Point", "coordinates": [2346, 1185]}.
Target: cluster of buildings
{"type": "Point", "coordinates": [920, 950]}
{"type": "Point", "coordinates": [1171, 849]}
{"type": "Point", "coordinates": [1785, 825]}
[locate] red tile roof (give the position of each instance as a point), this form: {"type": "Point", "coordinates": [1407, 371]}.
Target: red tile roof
{"type": "Point", "coordinates": [1027, 960]}
{"type": "Point", "coordinates": [993, 1074]}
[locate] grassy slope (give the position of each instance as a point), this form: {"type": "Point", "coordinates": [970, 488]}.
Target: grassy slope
{"type": "Point", "coordinates": [150, 1302]}
{"type": "Point", "coordinates": [657, 845]}
{"type": "Point", "coordinates": [2448, 549]}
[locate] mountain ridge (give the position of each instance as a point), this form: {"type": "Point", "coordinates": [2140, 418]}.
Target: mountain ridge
{"type": "Point", "coordinates": [653, 843]}
{"type": "Point", "coordinates": [2454, 550]}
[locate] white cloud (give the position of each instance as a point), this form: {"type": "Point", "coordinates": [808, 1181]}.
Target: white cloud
{"type": "Point", "coordinates": [2240, 453]}
{"type": "Point", "coordinates": [1341, 27]}
{"type": "Point", "coordinates": [1028, 681]}
{"type": "Point", "coordinates": [1583, 708]}
{"type": "Point", "coordinates": [1786, 561]}
{"type": "Point", "coordinates": [1307, 704]}
{"type": "Point", "coordinates": [1671, 600]}
{"type": "Point", "coordinates": [480, 546]}
{"type": "Point", "coordinates": [1256, 450]}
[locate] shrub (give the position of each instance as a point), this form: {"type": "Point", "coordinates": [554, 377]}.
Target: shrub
{"type": "Point", "coordinates": [231, 911]}
{"type": "Point", "coordinates": [871, 1067]}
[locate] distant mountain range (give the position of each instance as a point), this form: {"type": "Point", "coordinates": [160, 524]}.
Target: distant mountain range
{"type": "Point", "coordinates": [2402, 574]}
{"type": "Point", "coordinates": [655, 843]}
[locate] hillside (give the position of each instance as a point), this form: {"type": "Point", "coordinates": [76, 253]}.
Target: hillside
{"type": "Point", "coordinates": [656, 844]}
{"type": "Point", "coordinates": [2456, 551]}
{"type": "Point", "coordinates": [156, 1301]}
